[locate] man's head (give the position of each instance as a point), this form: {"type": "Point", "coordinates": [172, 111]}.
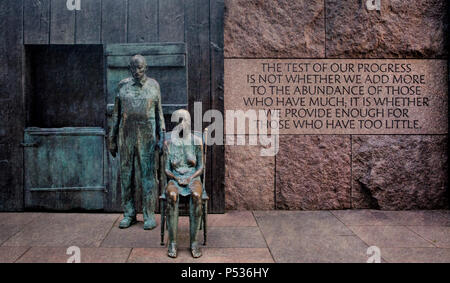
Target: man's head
{"type": "Point", "coordinates": [138, 66]}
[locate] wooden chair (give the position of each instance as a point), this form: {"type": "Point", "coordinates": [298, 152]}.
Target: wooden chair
{"type": "Point", "coordinates": [205, 198]}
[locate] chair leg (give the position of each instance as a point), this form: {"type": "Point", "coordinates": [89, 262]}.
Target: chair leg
{"type": "Point", "coordinates": [204, 219]}
{"type": "Point", "coordinates": [163, 220]}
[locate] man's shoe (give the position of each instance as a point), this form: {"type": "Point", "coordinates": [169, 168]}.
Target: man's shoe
{"type": "Point", "coordinates": [172, 251]}
{"type": "Point", "coordinates": [150, 223]}
{"type": "Point", "coordinates": [195, 250]}
{"type": "Point", "coordinates": [127, 222]}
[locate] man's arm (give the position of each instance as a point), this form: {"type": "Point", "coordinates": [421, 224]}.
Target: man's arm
{"type": "Point", "coordinates": [160, 117]}
{"type": "Point", "coordinates": [114, 131]}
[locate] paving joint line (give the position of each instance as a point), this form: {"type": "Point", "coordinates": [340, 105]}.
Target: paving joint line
{"type": "Point", "coordinates": [129, 255]}
{"type": "Point", "coordinates": [17, 259]}
{"type": "Point", "coordinates": [426, 240]}
{"type": "Point", "coordinates": [354, 234]}
{"type": "Point", "coordinates": [109, 231]}
{"type": "Point", "coordinates": [265, 241]}
{"type": "Point", "coordinates": [2, 244]}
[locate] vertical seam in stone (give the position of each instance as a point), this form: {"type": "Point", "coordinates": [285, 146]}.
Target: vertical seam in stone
{"type": "Point", "coordinates": [325, 27]}
{"type": "Point", "coordinates": [129, 255]}
{"type": "Point", "coordinates": [275, 181]}
{"type": "Point", "coordinates": [21, 255]}
{"type": "Point", "coordinates": [351, 171]}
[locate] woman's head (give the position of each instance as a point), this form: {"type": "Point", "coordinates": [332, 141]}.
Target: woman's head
{"type": "Point", "coordinates": [183, 118]}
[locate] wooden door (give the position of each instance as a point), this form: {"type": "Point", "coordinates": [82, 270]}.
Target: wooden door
{"type": "Point", "coordinates": [64, 168]}
{"type": "Point", "coordinates": [197, 23]}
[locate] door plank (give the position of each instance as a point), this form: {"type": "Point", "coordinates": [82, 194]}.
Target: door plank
{"type": "Point", "coordinates": [142, 21]}
{"type": "Point", "coordinates": [199, 76]}
{"type": "Point", "coordinates": [62, 27]}
{"type": "Point", "coordinates": [88, 22]}
{"type": "Point", "coordinates": [114, 30]}
{"type": "Point", "coordinates": [64, 170]}
{"type": "Point", "coordinates": [217, 101]}
{"type": "Point", "coordinates": [36, 21]}
{"type": "Point", "coordinates": [171, 21]}
{"type": "Point", "coordinates": [11, 106]}
{"type": "Point", "coordinates": [114, 21]}
{"type": "Point", "coordinates": [159, 48]}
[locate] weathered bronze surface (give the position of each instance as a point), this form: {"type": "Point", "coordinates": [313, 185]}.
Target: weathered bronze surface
{"type": "Point", "coordinates": [183, 155]}
{"type": "Point", "coordinates": [137, 119]}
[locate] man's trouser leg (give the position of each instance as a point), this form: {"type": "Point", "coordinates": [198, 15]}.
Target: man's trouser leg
{"type": "Point", "coordinates": [146, 163]}
{"type": "Point", "coordinates": [126, 181]}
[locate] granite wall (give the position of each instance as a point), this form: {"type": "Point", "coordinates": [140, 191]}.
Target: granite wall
{"type": "Point", "coordinates": [313, 172]}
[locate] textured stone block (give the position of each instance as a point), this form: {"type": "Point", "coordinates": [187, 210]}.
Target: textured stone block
{"type": "Point", "coordinates": [390, 237]}
{"type": "Point", "coordinates": [305, 236]}
{"type": "Point", "coordinates": [64, 229]}
{"type": "Point", "coordinates": [437, 235]}
{"type": "Point", "coordinates": [285, 28]}
{"type": "Point", "coordinates": [11, 254]}
{"type": "Point", "coordinates": [210, 255]}
{"type": "Point", "coordinates": [416, 255]}
{"type": "Point", "coordinates": [402, 29]}
{"type": "Point", "coordinates": [249, 178]}
{"type": "Point", "coordinates": [87, 255]}
{"type": "Point", "coordinates": [313, 172]}
{"type": "Point", "coordinates": [399, 172]}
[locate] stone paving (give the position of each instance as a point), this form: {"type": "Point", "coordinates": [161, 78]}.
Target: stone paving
{"type": "Point", "coordinates": [234, 237]}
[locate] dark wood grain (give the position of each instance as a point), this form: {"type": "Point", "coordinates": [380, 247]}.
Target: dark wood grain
{"type": "Point", "coordinates": [217, 152]}
{"type": "Point", "coordinates": [171, 21]}
{"type": "Point", "coordinates": [142, 21]}
{"type": "Point", "coordinates": [11, 106]}
{"type": "Point", "coordinates": [114, 30]}
{"type": "Point", "coordinates": [114, 21]}
{"type": "Point", "coordinates": [36, 21]}
{"type": "Point", "coordinates": [198, 23]}
{"type": "Point", "coordinates": [88, 23]}
{"type": "Point", "coordinates": [197, 39]}
{"type": "Point", "coordinates": [159, 48]}
{"type": "Point", "coordinates": [62, 24]}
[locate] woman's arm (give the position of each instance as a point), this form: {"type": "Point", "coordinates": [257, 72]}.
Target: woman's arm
{"type": "Point", "coordinates": [199, 167]}
{"type": "Point", "coordinates": [168, 166]}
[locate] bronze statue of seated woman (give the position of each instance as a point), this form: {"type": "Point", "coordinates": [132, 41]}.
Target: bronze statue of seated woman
{"type": "Point", "coordinates": [183, 155]}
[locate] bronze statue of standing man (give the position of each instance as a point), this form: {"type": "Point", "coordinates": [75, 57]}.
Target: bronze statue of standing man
{"type": "Point", "coordinates": [137, 119]}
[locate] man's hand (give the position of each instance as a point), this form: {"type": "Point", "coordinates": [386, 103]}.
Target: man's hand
{"type": "Point", "coordinates": [112, 148]}
{"type": "Point", "coordinates": [160, 146]}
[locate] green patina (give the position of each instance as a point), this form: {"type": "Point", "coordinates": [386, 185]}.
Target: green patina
{"type": "Point", "coordinates": [137, 120]}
